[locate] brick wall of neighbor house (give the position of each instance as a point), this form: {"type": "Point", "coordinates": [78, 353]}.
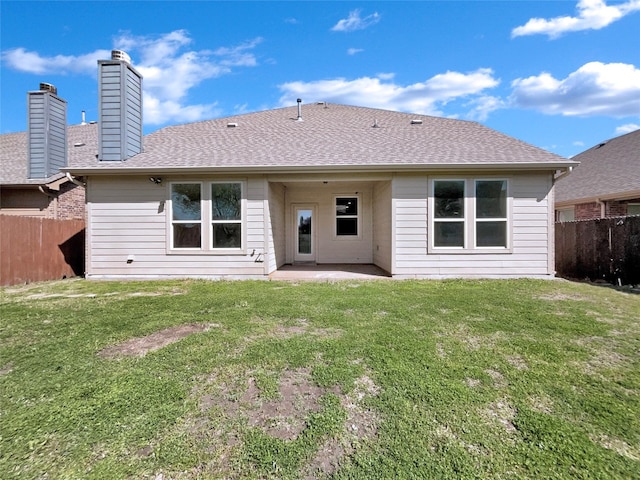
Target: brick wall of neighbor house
{"type": "Point", "coordinates": [71, 204]}
{"type": "Point", "coordinates": [616, 209]}
{"type": "Point", "coordinates": [587, 211]}
{"type": "Point", "coordinates": [613, 208]}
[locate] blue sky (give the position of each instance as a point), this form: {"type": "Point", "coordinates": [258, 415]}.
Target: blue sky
{"type": "Point", "coordinates": [561, 75]}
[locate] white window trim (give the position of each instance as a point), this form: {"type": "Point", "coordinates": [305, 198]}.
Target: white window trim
{"type": "Point", "coordinates": [358, 218]}
{"type": "Point", "coordinates": [207, 222]}
{"type": "Point", "coordinates": [469, 218]}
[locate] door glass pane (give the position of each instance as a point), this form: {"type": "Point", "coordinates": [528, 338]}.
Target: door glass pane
{"type": "Point", "coordinates": [304, 232]}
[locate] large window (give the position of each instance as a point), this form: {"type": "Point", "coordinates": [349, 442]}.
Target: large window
{"type": "Point", "coordinates": [346, 216]}
{"type": "Point", "coordinates": [469, 214]}
{"type": "Point", "coordinates": [221, 202]}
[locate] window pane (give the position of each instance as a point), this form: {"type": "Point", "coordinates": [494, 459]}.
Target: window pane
{"type": "Point", "coordinates": [491, 199]}
{"type": "Point", "coordinates": [346, 226]}
{"type": "Point", "coordinates": [448, 198]}
{"type": "Point", "coordinates": [633, 209]}
{"type": "Point", "coordinates": [227, 235]}
{"type": "Point", "coordinates": [304, 231]}
{"type": "Point", "coordinates": [185, 201]}
{"type": "Point", "coordinates": [491, 234]}
{"type": "Point", "coordinates": [346, 206]}
{"type": "Point", "coordinates": [448, 234]}
{"type": "Point", "coordinates": [186, 235]}
{"type": "Point", "coordinates": [225, 201]}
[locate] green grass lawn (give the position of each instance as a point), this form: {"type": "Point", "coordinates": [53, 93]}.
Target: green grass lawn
{"type": "Point", "coordinates": [384, 379]}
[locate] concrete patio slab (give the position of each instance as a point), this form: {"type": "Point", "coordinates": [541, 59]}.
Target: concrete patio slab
{"type": "Point", "coordinates": [327, 272]}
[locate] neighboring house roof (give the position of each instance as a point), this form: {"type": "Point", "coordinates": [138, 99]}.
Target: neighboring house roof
{"type": "Point", "coordinates": [607, 171]}
{"type": "Point", "coordinates": [329, 136]}
{"type": "Point", "coordinates": [82, 141]}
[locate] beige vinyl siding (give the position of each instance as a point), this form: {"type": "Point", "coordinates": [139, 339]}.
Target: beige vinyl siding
{"type": "Point", "coordinates": [131, 221]}
{"type": "Point", "coordinates": [410, 225]}
{"type": "Point", "coordinates": [530, 233]}
{"type": "Point", "coordinates": [276, 252]}
{"type": "Point", "coordinates": [382, 222]}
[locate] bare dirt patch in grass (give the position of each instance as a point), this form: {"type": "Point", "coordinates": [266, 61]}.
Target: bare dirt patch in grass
{"type": "Point", "coordinates": [517, 361]}
{"type": "Point", "coordinates": [502, 412]}
{"type": "Point", "coordinates": [140, 346]}
{"type": "Point", "coordinates": [619, 446]}
{"type": "Point", "coordinates": [238, 398]}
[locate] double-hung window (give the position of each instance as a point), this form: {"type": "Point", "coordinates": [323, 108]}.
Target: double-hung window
{"type": "Point", "coordinates": [346, 216]}
{"type": "Point", "coordinates": [207, 217]}
{"type": "Point", "coordinates": [469, 215]}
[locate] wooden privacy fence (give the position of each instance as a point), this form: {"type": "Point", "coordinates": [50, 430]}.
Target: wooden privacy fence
{"type": "Point", "coordinates": [601, 249]}
{"type": "Point", "coordinates": [39, 249]}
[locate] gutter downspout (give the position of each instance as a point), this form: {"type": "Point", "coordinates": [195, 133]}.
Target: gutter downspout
{"type": "Point", "coordinates": [602, 207]}
{"type": "Point", "coordinates": [74, 180]}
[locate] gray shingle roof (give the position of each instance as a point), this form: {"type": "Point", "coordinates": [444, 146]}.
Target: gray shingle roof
{"type": "Point", "coordinates": [610, 170]}
{"type": "Point", "coordinates": [14, 161]}
{"type": "Point", "coordinates": [330, 135]}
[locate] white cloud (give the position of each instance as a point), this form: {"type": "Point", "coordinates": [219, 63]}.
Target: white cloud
{"type": "Point", "coordinates": [380, 92]}
{"type": "Point", "coordinates": [611, 89]}
{"type": "Point", "coordinates": [355, 22]}
{"type": "Point", "coordinates": [159, 111]}
{"type": "Point", "coordinates": [353, 51]}
{"type": "Point", "coordinates": [171, 69]}
{"type": "Point", "coordinates": [23, 60]}
{"type": "Point", "coordinates": [627, 128]}
{"type": "Point", "coordinates": [592, 15]}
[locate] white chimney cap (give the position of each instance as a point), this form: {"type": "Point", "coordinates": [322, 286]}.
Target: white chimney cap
{"type": "Point", "coordinates": [120, 55]}
{"type": "Point", "coordinates": [48, 87]}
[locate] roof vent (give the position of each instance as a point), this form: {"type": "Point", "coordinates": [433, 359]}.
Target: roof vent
{"type": "Point", "coordinates": [120, 55]}
{"type": "Point", "coordinates": [47, 87]}
{"type": "Point", "coordinates": [416, 121]}
{"type": "Point", "coordinates": [299, 109]}
{"type": "Point", "coordinates": [232, 125]}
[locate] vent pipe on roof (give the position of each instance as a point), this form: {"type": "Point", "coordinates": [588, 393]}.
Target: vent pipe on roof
{"type": "Point", "coordinates": [299, 109]}
{"type": "Point", "coordinates": [84, 118]}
